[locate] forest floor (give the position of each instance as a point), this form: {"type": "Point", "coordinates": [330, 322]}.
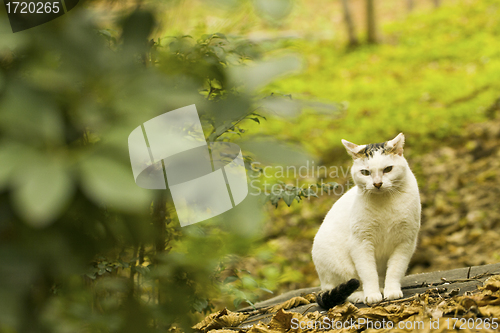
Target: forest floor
{"type": "Point", "coordinates": [436, 309]}
{"type": "Point", "coordinates": [460, 196]}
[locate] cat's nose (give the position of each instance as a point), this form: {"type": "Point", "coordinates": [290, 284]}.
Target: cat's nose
{"type": "Point", "coordinates": [377, 185]}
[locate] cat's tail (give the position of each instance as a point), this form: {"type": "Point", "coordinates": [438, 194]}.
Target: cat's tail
{"type": "Point", "coordinates": [338, 295]}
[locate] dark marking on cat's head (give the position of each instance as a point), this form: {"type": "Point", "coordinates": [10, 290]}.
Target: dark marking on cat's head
{"type": "Point", "coordinates": [394, 146]}
{"type": "Point", "coordinates": [371, 148]}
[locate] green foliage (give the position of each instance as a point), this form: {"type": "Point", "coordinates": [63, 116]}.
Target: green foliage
{"type": "Point", "coordinates": [242, 286]}
{"type": "Point", "coordinates": [70, 94]}
{"type": "Point", "coordinates": [186, 56]}
{"type": "Point", "coordinates": [289, 193]}
{"type": "Point", "coordinates": [435, 72]}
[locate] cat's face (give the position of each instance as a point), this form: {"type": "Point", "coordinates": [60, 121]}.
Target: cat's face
{"type": "Point", "coordinates": [380, 167]}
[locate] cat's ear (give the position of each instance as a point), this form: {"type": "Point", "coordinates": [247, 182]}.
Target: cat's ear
{"type": "Point", "coordinates": [353, 149]}
{"type": "Point", "coordinates": [395, 146]}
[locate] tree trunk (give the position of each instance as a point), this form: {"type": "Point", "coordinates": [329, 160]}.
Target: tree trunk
{"type": "Point", "coordinates": [410, 5]}
{"type": "Point", "coordinates": [159, 212]}
{"type": "Point", "coordinates": [371, 33]}
{"type": "Point", "coordinates": [437, 3]}
{"type": "Point", "coordinates": [351, 31]}
{"type": "Point", "coordinates": [159, 221]}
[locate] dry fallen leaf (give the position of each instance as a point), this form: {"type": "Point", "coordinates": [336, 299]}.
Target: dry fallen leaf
{"type": "Point", "coordinates": [223, 318]}
{"type": "Point", "coordinates": [316, 315]}
{"type": "Point", "coordinates": [490, 311]}
{"type": "Point", "coordinates": [281, 321]}
{"type": "Point", "coordinates": [291, 303]}
{"type": "Point", "coordinates": [310, 297]}
{"type": "Point", "coordinates": [492, 284]}
{"type": "Point", "coordinates": [260, 328]}
{"type": "Point", "coordinates": [343, 312]}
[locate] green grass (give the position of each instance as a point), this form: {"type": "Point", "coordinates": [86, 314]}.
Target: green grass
{"type": "Point", "coordinates": [435, 72]}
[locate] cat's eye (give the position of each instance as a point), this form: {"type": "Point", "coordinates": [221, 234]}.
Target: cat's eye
{"type": "Point", "coordinates": [365, 172]}
{"type": "Point", "coordinates": [388, 169]}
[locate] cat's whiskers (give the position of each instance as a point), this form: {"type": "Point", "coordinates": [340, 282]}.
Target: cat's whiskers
{"type": "Point", "coordinates": [394, 191]}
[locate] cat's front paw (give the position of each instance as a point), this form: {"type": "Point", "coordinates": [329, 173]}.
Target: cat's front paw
{"type": "Point", "coordinates": [372, 298]}
{"type": "Point", "coordinates": [356, 297]}
{"type": "Point", "coordinates": [391, 294]}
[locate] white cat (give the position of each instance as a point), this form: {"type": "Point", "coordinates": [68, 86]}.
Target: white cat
{"type": "Point", "coordinates": [371, 232]}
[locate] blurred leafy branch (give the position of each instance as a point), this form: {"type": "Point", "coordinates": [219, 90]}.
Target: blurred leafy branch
{"type": "Point", "coordinates": [241, 285]}
{"type": "Point", "coordinates": [289, 193]}
{"type": "Point", "coordinates": [69, 97]}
